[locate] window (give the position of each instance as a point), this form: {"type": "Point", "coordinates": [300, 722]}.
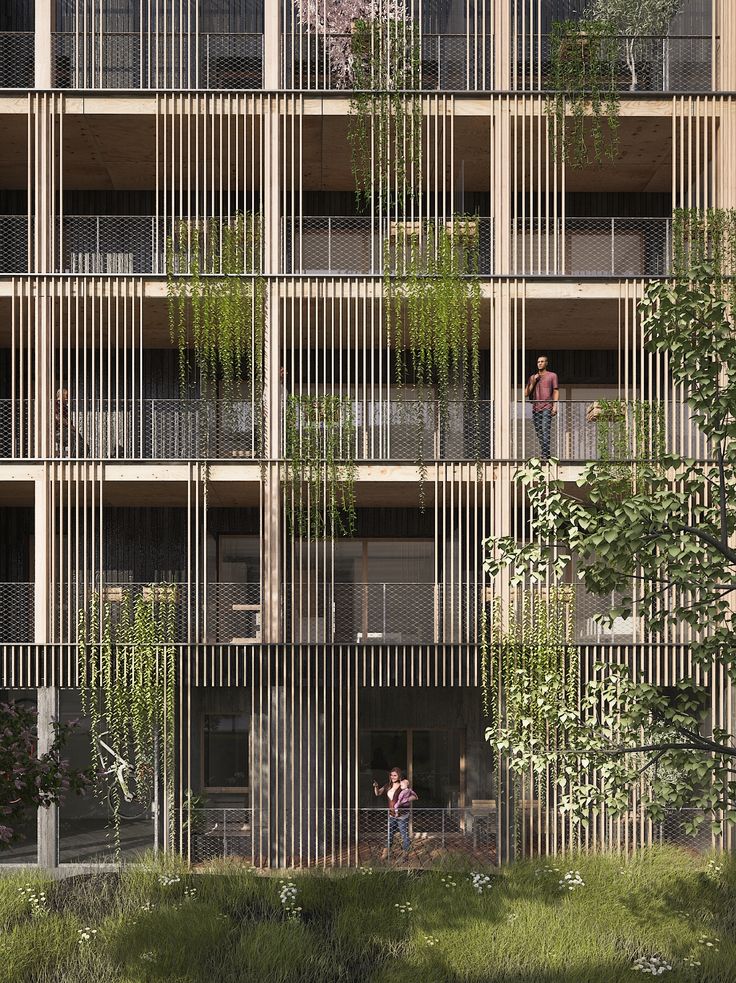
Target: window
{"type": "Point", "coordinates": [226, 753]}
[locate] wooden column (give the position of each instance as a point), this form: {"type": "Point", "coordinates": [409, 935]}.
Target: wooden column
{"type": "Point", "coordinates": [43, 54]}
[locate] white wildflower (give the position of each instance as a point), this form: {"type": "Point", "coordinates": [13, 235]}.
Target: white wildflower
{"type": "Point", "coordinates": [448, 882]}
{"type": "Point", "coordinates": [190, 892]}
{"type": "Point", "coordinates": [149, 956]}
{"type": "Point", "coordinates": [431, 939]}
{"type": "Point", "coordinates": [481, 882]}
{"type": "Point", "coordinates": [287, 896]}
{"type": "Point", "coordinates": [571, 880]}
{"type": "Point", "coordinates": [36, 900]}
{"type": "Point", "coordinates": [709, 941]}
{"type": "Point", "coordinates": [404, 907]}
{"type": "Point", "coordinates": [168, 879]}
{"type": "Point", "coordinates": [654, 965]}
{"type": "Point", "coordinates": [86, 934]}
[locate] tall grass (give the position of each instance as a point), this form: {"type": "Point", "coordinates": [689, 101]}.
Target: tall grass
{"type": "Point", "coordinates": [166, 923]}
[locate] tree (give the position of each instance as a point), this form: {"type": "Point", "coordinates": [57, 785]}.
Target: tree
{"type": "Point", "coordinates": [27, 780]}
{"type": "Point", "coordinates": [636, 21]}
{"type": "Point", "coordinates": [666, 544]}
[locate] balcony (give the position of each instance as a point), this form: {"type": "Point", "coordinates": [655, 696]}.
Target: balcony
{"type": "Point", "coordinates": [133, 61]}
{"type": "Point", "coordinates": [317, 245]}
{"type": "Point", "coordinates": [451, 62]}
{"type": "Point", "coordinates": [576, 434]}
{"type": "Point", "coordinates": [682, 63]}
{"type": "Point", "coordinates": [592, 247]}
{"type": "Point", "coordinates": [226, 613]}
{"type": "Point", "coordinates": [382, 613]}
{"type": "Point", "coordinates": [134, 430]}
{"type": "Point", "coordinates": [17, 613]}
{"type": "Point", "coordinates": [17, 69]}
{"type": "Point", "coordinates": [413, 430]}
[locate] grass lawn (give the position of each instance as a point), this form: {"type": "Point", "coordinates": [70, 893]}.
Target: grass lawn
{"type": "Point", "coordinates": [164, 923]}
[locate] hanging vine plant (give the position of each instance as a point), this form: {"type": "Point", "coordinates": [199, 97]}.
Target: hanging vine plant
{"type": "Point", "coordinates": [127, 676]}
{"type": "Point", "coordinates": [385, 123]}
{"type": "Point", "coordinates": [706, 237]}
{"type": "Point", "coordinates": [320, 466]}
{"type": "Point", "coordinates": [628, 434]}
{"type": "Point", "coordinates": [584, 83]}
{"type": "Point", "coordinates": [433, 305]}
{"type": "Point", "coordinates": [216, 303]}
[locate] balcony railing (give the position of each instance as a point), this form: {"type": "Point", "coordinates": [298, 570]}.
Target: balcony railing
{"type": "Point", "coordinates": [351, 837]}
{"type": "Point", "coordinates": [662, 64]}
{"type": "Point", "coordinates": [223, 612]}
{"type": "Point", "coordinates": [592, 247]}
{"type": "Point", "coordinates": [576, 434]}
{"type": "Point", "coordinates": [134, 61]}
{"type": "Point", "coordinates": [382, 613]}
{"type": "Point", "coordinates": [132, 430]}
{"type": "Point", "coordinates": [452, 62]}
{"type": "Point", "coordinates": [17, 613]}
{"type": "Point", "coordinates": [317, 244]}
{"type": "Point", "coordinates": [413, 430]}
{"type": "Point", "coordinates": [17, 69]}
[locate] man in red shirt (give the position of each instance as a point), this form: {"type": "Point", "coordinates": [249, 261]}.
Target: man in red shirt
{"type": "Point", "coordinates": [544, 391]}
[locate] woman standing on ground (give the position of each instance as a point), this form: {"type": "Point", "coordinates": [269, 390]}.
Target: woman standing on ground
{"type": "Point", "coordinates": [399, 796]}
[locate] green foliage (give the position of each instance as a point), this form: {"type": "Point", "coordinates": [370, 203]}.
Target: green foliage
{"type": "Point", "coordinates": [433, 299]}
{"type": "Point", "coordinates": [628, 433]}
{"type": "Point", "coordinates": [127, 675]}
{"type": "Point", "coordinates": [665, 546]}
{"type": "Point", "coordinates": [530, 657]}
{"type": "Point", "coordinates": [524, 928]}
{"type": "Point", "coordinates": [385, 123]}
{"type": "Point", "coordinates": [29, 780]}
{"type": "Point", "coordinates": [217, 303]}
{"type": "Point", "coordinates": [320, 465]}
{"type": "Point", "coordinates": [706, 238]}
{"type": "Point", "coordinates": [584, 58]}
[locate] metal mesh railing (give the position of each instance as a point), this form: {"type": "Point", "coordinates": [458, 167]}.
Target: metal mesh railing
{"type": "Point", "coordinates": [317, 244]}
{"type": "Point", "coordinates": [157, 429]}
{"type": "Point", "coordinates": [228, 613]}
{"type": "Point", "coordinates": [17, 612]}
{"type": "Point", "coordinates": [221, 834]}
{"type": "Point", "coordinates": [233, 613]}
{"type": "Point", "coordinates": [382, 613]}
{"type": "Point", "coordinates": [115, 60]}
{"type": "Point", "coordinates": [414, 430]}
{"type": "Point", "coordinates": [644, 64]}
{"type": "Point", "coordinates": [16, 430]}
{"type": "Point", "coordinates": [14, 244]}
{"type": "Point", "coordinates": [112, 244]}
{"type": "Point", "coordinates": [575, 433]}
{"type": "Point", "coordinates": [592, 247]}
{"type": "Point", "coordinates": [17, 69]}
{"type": "Point", "coordinates": [447, 61]}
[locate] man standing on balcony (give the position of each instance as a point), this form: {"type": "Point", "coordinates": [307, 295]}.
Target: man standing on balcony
{"type": "Point", "coordinates": [543, 389]}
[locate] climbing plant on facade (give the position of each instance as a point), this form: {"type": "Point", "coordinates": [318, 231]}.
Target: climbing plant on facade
{"type": "Point", "coordinates": [216, 302]}
{"type": "Point", "coordinates": [127, 675]}
{"type": "Point", "coordinates": [628, 433]}
{"type": "Point", "coordinates": [584, 98]}
{"type": "Point", "coordinates": [373, 48]}
{"type": "Point", "coordinates": [320, 469]}
{"type": "Point", "coordinates": [432, 293]}
{"type": "Point", "coordinates": [705, 238]}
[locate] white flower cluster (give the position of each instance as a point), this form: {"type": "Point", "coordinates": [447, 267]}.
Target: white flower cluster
{"type": "Point", "coordinates": [448, 882]}
{"type": "Point", "coordinates": [545, 871]}
{"type": "Point", "coordinates": [404, 907]}
{"type": "Point", "coordinates": [366, 871]}
{"type": "Point", "coordinates": [168, 879]}
{"type": "Point", "coordinates": [654, 965]}
{"type": "Point", "coordinates": [431, 939]}
{"type": "Point", "coordinates": [691, 962]}
{"type": "Point", "coordinates": [512, 916]}
{"type": "Point", "coordinates": [287, 897]}
{"type": "Point", "coordinates": [148, 906]}
{"type": "Point", "coordinates": [36, 900]}
{"type": "Point", "coordinates": [481, 882]}
{"type": "Point", "coordinates": [709, 941]}
{"type": "Point", "coordinates": [86, 934]}
{"type": "Point", "coordinates": [190, 892]}
{"type": "Point", "coordinates": [714, 868]}
{"type": "Point", "coordinates": [149, 956]}
{"type": "Point", "coordinates": [571, 880]}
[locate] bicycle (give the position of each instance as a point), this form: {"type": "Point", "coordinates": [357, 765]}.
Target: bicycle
{"type": "Point", "coordinates": [121, 773]}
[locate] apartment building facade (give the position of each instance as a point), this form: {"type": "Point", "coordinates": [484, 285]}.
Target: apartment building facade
{"type": "Point", "coordinates": [135, 134]}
